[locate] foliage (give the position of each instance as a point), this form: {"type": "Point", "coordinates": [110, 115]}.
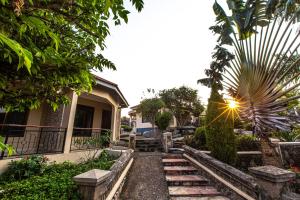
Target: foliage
{"type": "Point", "coordinates": [287, 136]}
{"type": "Point", "coordinates": [200, 136]}
{"type": "Point", "coordinates": [244, 17]}
{"type": "Point", "coordinates": [149, 108]}
{"type": "Point", "coordinates": [283, 8]}
{"type": "Point", "coordinates": [219, 129]}
{"type": "Point", "coordinates": [94, 141]}
{"type": "Point", "coordinates": [125, 121]}
{"type": "Point", "coordinates": [247, 143]}
{"type": "Point", "coordinates": [201, 120]}
{"type": "Point", "coordinates": [257, 76]}
{"type": "Point", "coordinates": [163, 120]}
{"type": "Point", "coordinates": [182, 102]}
{"type": "Point", "coordinates": [26, 167]}
{"type": "Point", "coordinates": [55, 182]}
{"type": "Point", "coordinates": [48, 47]}
{"type": "Point", "coordinates": [198, 139]}
{"type": "Point", "coordinates": [258, 81]}
{"type": "Point", "coordinates": [93, 144]}
{"type": "Point", "coordinates": [6, 147]}
{"type": "Point", "coordinates": [126, 128]}
{"type": "Point", "coordinates": [221, 57]}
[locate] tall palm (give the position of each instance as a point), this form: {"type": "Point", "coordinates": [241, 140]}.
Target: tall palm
{"type": "Point", "coordinates": [265, 47]}
{"type": "Point", "coordinates": [257, 77]}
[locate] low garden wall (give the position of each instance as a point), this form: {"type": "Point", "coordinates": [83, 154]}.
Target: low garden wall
{"type": "Point", "coordinates": [105, 184]}
{"type": "Point", "coordinates": [244, 185]}
{"type": "Point", "coordinates": [246, 159]}
{"type": "Point", "coordinates": [290, 153]}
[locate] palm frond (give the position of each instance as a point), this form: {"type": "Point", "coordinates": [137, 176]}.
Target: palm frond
{"type": "Point", "coordinates": [260, 77]}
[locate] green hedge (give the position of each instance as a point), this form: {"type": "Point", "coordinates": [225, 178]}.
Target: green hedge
{"type": "Point", "coordinates": [247, 143]}
{"type": "Point", "coordinates": [55, 182]}
{"type": "Point", "coordinates": [198, 139]}
{"type": "Point", "coordinates": [126, 128]}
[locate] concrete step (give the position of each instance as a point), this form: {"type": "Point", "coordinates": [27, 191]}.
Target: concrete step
{"type": "Point", "coordinates": [180, 170]}
{"type": "Point", "coordinates": [200, 198]}
{"type": "Point", "coordinates": [172, 156]}
{"type": "Point", "coordinates": [186, 180]}
{"type": "Point", "coordinates": [193, 191]}
{"type": "Point", "coordinates": [175, 161]}
{"type": "Point", "coordinates": [148, 146]}
{"type": "Point", "coordinates": [149, 149]}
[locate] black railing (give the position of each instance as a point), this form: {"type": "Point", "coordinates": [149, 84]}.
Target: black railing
{"type": "Point", "coordinates": [90, 138]}
{"type": "Point", "coordinates": [27, 139]}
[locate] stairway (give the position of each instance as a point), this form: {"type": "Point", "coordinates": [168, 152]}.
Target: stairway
{"type": "Point", "coordinates": [184, 182]}
{"type": "Point", "coordinates": [148, 145]}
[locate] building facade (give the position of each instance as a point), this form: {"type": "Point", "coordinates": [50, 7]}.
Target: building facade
{"type": "Point", "coordinates": [141, 124]}
{"type": "Point", "coordinates": [73, 127]}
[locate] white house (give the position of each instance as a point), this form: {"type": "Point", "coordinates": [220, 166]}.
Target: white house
{"type": "Point", "coordinates": [141, 124]}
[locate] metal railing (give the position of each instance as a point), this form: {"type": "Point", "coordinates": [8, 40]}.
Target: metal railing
{"type": "Point", "coordinates": [29, 139]}
{"type": "Point", "coordinates": [90, 138]}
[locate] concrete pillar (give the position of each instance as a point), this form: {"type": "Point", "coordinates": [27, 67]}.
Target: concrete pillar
{"type": "Point", "coordinates": [113, 123]}
{"type": "Point", "coordinates": [167, 141]}
{"type": "Point", "coordinates": [118, 128]}
{"type": "Point", "coordinates": [70, 112]}
{"type": "Point", "coordinates": [274, 180]}
{"type": "Point", "coordinates": [132, 141]}
{"type": "Point", "coordinates": [91, 184]}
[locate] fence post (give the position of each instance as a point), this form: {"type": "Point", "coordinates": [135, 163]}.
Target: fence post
{"type": "Point", "coordinates": [132, 141]}
{"type": "Point", "coordinates": [92, 184]}
{"type": "Point", "coordinates": [167, 141]}
{"type": "Point", "coordinates": [274, 180]}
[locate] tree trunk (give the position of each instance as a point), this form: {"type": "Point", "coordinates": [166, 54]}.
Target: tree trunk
{"type": "Point", "coordinates": [269, 154]}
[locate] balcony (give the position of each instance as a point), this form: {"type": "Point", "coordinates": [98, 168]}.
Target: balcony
{"type": "Point", "coordinates": [90, 138]}
{"type": "Point", "coordinates": [28, 139]}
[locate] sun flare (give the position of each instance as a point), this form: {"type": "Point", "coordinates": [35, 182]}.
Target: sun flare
{"type": "Point", "coordinates": [232, 104]}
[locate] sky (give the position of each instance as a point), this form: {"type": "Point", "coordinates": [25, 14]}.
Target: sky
{"type": "Point", "coordinates": [167, 45]}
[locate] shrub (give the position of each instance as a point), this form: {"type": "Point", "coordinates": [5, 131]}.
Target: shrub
{"type": "Point", "coordinates": [220, 136]}
{"type": "Point", "coordinates": [55, 183]}
{"type": "Point", "coordinates": [200, 136]}
{"type": "Point", "coordinates": [291, 136]}
{"type": "Point", "coordinates": [247, 143]}
{"type": "Point", "coordinates": [26, 167]}
{"type": "Point", "coordinates": [163, 120]}
{"type": "Point", "coordinates": [126, 128]}
{"type": "Point", "coordinates": [198, 139]}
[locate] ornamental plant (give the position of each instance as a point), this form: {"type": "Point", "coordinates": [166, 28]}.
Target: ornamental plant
{"type": "Point", "coordinates": [219, 129]}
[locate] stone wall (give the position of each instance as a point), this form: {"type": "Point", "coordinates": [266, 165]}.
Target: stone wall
{"type": "Point", "coordinates": [290, 153]}
{"type": "Point", "coordinates": [105, 184]}
{"type": "Point", "coordinates": [243, 182]}
{"type": "Point", "coordinates": [246, 159]}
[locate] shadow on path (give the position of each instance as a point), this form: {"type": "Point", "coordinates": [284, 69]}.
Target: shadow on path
{"type": "Point", "coordinates": [146, 179]}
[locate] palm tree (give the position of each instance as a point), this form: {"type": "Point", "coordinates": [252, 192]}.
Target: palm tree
{"type": "Point", "coordinates": [259, 77]}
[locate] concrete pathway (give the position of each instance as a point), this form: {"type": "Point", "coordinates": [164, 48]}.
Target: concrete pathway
{"type": "Point", "coordinates": [146, 179]}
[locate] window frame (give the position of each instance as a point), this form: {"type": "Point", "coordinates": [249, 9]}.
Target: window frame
{"type": "Point", "coordinates": [84, 131]}
{"type": "Point", "coordinates": [13, 131]}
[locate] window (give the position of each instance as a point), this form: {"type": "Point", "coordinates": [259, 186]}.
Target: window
{"type": "Point", "coordinates": [145, 119]}
{"type": "Point", "coordinates": [83, 119]}
{"type": "Point", "coordinates": [19, 118]}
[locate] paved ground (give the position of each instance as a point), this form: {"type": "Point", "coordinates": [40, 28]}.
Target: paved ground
{"type": "Point", "coordinates": [146, 179]}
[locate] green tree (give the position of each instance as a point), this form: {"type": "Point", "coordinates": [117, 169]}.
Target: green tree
{"type": "Point", "coordinates": [163, 120]}
{"type": "Point", "coordinates": [220, 137]}
{"type": "Point", "coordinates": [149, 109]}
{"type": "Point", "coordinates": [48, 47]}
{"type": "Point", "coordinates": [183, 103]}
